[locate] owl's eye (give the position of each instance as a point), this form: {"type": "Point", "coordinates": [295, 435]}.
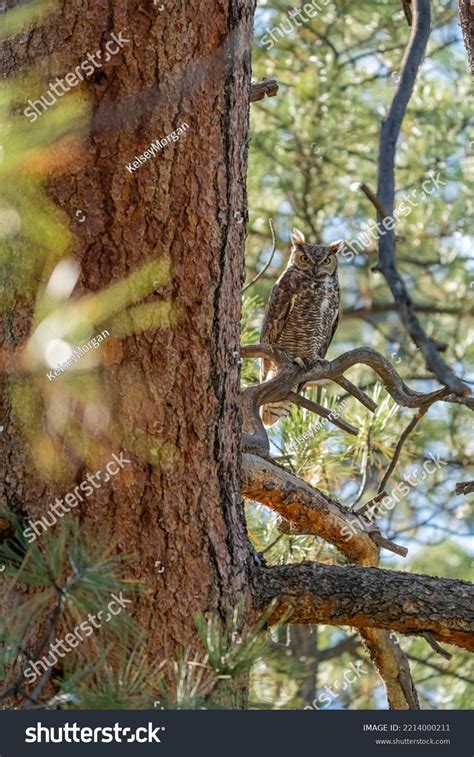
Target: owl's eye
{"type": "Point", "coordinates": [305, 258]}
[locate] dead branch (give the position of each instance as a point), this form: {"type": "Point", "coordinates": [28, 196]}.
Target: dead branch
{"type": "Point", "coordinates": [392, 665]}
{"type": "Point", "coordinates": [428, 636]}
{"type": "Point", "coordinates": [381, 212]}
{"type": "Point", "coordinates": [389, 134]}
{"type": "Point", "coordinates": [408, 11]}
{"type": "Point", "coordinates": [359, 395]}
{"type": "Point", "coordinates": [370, 505]}
{"type": "Point", "coordinates": [382, 541]}
{"type": "Point", "coordinates": [377, 308]}
{"type": "Point", "coordinates": [290, 375]}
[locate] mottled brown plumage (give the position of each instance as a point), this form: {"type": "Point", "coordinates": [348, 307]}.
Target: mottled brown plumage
{"type": "Point", "coordinates": [303, 310]}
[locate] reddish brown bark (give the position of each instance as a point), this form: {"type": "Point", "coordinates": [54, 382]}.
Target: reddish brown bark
{"type": "Point", "coordinates": [172, 394]}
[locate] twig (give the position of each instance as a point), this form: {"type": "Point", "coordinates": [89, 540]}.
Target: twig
{"type": "Point", "coordinates": [466, 487]}
{"type": "Point", "coordinates": [439, 669]}
{"type": "Point", "coordinates": [408, 11]}
{"type": "Point", "coordinates": [315, 407]}
{"type": "Point", "coordinates": [268, 87]}
{"type": "Point", "coordinates": [363, 398]}
{"type": "Point", "coordinates": [270, 546]}
{"type": "Point", "coordinates": [381, 541]}
{"type": "Point", "coordinates": [428, 636]}
{"type": "Point", "coordinates": [375, 308]}
{"type": "Point", "coordinates": [406, 433]}
{"type": "Point", "coordinates": [365, 471]}
{"type": "Point", "coordinates": [372, 503]}
{"type": "Point", "coordinates": [373, 199]}
{"type": "Point", "coordinates": [270, 223]}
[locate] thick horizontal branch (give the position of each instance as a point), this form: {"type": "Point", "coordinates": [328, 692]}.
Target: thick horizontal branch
{"type": "Point", "coordinates": [363, 597]}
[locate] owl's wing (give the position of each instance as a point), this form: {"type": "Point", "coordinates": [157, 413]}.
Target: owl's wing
{"type": "Point", "coordinates": [276, 316]}
{"type": "Point", "coordinates": [325, 346]}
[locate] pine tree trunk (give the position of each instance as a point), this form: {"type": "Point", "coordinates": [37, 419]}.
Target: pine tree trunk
{"type": "Point", "coordinates": [172, 393]}
{"type": "Point", "coordinates": [466, 16]}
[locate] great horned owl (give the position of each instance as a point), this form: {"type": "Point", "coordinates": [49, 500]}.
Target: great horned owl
{"type": "Point", "coordinates": [303, 310]}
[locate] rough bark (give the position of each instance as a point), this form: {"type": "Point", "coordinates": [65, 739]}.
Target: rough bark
{"type": "Point", "coordinates": [466, 16]}
{"type": "Point", "coordinates": [306, 507]}
{"type": "Point", "coordinates": [371, 598]}
{"type": "Point", "coordinates": [171, 394]}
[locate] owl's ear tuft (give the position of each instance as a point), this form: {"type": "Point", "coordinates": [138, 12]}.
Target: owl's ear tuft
{"type": "Point", "coordinates": [337, 246]}
{"type": "Point", "coordinates": [297, 238]}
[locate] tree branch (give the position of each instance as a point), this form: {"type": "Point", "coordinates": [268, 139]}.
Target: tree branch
{"type": "Point", "coordinates": [268, 87]}
{"type": "Point", "coordinates": [315, 407]}
{"type": "Point", "coordinates": [376, 308]}
{"type": "Point", "coordinates": [386, 193]}
{"type": "Point", "coordinates": [406, 433]}
{"type": "Point", "coordinates": [370, 598]}
{"type": "Point", "coordinates": [290, 375]}
{"type": "Point", "coordinates": [466, 487]}
{"type": "Point", "coordinates": [306, 509]}
{"type": "Point", "coordinates": [268, 264]}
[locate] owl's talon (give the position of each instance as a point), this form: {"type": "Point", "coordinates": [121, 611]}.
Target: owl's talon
{"type": "Point", "coordinates": [299, 361]}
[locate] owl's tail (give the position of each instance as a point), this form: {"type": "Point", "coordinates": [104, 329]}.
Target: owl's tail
{"type": "Point", "coordinates": [271, 414]}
